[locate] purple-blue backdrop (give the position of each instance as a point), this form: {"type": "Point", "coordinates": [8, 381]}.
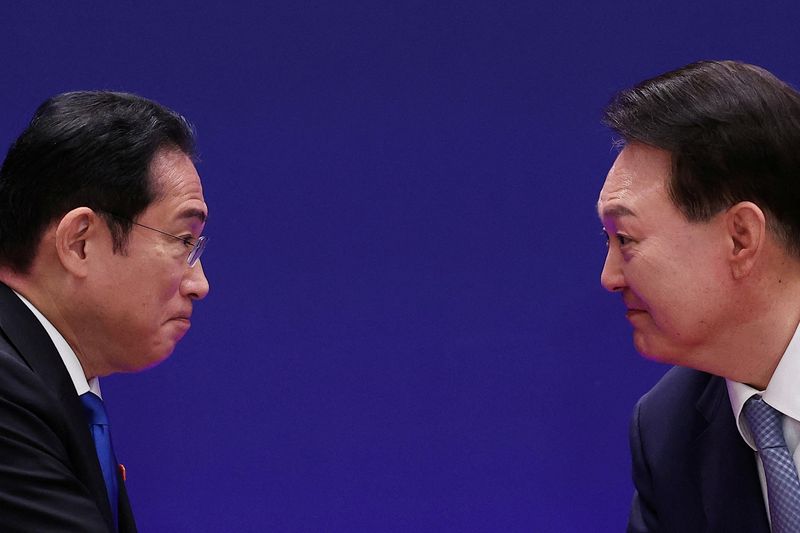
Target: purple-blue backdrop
{"type": "Point", "coordinates": [405, 330]}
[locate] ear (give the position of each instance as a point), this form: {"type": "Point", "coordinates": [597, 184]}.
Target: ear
{"type": "Point", "coordinates": [747, 229]}
{"type": "Point", "coordinates": [76, 233]}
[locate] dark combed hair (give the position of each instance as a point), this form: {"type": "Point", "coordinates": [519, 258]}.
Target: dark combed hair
{"type": "Point", "coordinates": [733, 131]}
{"type": "Point", "coordinates": [83, 149]}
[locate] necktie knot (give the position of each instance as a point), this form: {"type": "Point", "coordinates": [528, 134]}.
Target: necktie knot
{"type": "Point", "coordinates": [765, 423]}
{"type": "Point", "coordinates": [95, 409]}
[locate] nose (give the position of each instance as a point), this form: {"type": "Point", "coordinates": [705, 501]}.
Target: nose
{"type": "Point", "coordinates": [194, 283]}
{"type": "Point", "coordinates": [612, 278]}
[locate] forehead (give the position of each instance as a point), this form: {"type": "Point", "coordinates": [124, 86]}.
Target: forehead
{"type": "Point", "coordinates": [178, 184]}
{"type": "Point", "coordinates": [640, 171]}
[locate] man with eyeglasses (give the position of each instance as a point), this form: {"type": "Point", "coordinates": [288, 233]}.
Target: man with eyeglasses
{"type": "Point", "coordinates": [101, 215]}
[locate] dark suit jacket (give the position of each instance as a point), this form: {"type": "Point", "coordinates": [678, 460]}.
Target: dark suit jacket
{"type": "Point", "coordinates": [691, 469]}
{"type": "Point", "coordinates": [50, 478]}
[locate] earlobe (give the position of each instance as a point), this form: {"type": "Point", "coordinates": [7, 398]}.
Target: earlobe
{"type": "Point", "coordinates": [746, 226]}
{"type": "Point", "coordinates": [72, 238]}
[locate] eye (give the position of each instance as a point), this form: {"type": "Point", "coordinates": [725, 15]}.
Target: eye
{"type": "Point", "coordinates": [188, 240]}
{"type": "Point", "coordinates": [623, 239]}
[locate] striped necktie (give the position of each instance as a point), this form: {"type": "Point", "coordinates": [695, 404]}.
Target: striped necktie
{"type": "Point", "coordinates": [783, 485]}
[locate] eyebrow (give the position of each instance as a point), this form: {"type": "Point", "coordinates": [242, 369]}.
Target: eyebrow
{"type": "Point", "coordinates": [617, 211]}
{"type": "Point", "coordinates": [193, 213]}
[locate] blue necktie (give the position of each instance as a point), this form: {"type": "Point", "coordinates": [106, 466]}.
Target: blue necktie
{"type": "Point", "coordinates": [101, 433]}
{"type": "Point", "coordinates": [783, 485]}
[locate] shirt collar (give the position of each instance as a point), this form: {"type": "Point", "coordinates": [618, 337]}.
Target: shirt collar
{"type": "Point", "coordinates": [71, 362]}
{"type": "Point", "coordinates": [781, 391]}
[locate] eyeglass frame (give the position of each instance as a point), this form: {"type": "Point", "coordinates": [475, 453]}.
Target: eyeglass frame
{"type": "Point", "coordinates": [197, 247]}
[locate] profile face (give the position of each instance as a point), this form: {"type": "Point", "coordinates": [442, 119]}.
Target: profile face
{"type": "Point", "coordinates": [149, 291]}
{"type": "Point", "coordinates": [671, 273]}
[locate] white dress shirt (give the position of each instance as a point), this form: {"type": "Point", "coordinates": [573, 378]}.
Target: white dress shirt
{"type": "Point", "coordinates": [782, 393]}
{"type": "Point", "coordinates": [82, 385]}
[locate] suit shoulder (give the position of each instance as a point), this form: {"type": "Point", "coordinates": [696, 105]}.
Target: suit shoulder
{"type": "Point", "coordinates": [28, 401]}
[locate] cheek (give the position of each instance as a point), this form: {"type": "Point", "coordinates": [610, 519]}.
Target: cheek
{"type": "Point", "coordinates": [652, 279]}
{"type": "Point", "coordinates": [148, 303]}
{"type": "Point", "coordinates": [688, 303]}
{"type": "Point", "coordinates": [162, 283]}
{"type": "Point", "coordinates": [171, 284]}
{"type": "Point", "coordinates": [662, 287]}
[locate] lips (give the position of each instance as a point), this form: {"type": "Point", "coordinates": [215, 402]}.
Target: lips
{"type": "Point", "coordinates": [634, 312]}
{"type": "Point", "coordinates": [180, 326]}
{"type": "Point", "coordinates": [632, 307]}
{"type": "Point", "coordinates": [184, 318]}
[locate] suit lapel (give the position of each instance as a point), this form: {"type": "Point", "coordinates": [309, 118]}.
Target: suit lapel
{"type": "Point", "coordinates": [126, 522]}
{"type": "Point", "coordinates": [726, 466]}
{"type": "Point", "coordinates": [32, 342]}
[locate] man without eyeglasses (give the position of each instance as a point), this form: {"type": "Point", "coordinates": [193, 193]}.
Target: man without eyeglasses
{"type": "Point", "coordinates": [101, 216]}
{"type": "Point", "coordinates": [702, 213]}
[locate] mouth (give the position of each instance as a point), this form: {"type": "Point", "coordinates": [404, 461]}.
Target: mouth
{"type": "Point", "coordinates": [630, 313]}
{"type": "Point", "coordinates": [185, 314]}
{"type": "Point", "coordinates": [184, 320]}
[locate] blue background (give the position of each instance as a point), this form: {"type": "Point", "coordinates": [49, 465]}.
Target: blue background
{"type": "Point", "coordinates": [405, 330]}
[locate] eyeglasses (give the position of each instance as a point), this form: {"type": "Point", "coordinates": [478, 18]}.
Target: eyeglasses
{"type": "Point", "coordinates": [196, 246]}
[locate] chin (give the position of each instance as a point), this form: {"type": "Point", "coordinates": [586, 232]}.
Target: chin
{"type": "Point", "coordinates": [654, 352]}
{"type": "Point", "coordinates": [664, 356]}
{"type": "Point", "coordinates": [154, 358]}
